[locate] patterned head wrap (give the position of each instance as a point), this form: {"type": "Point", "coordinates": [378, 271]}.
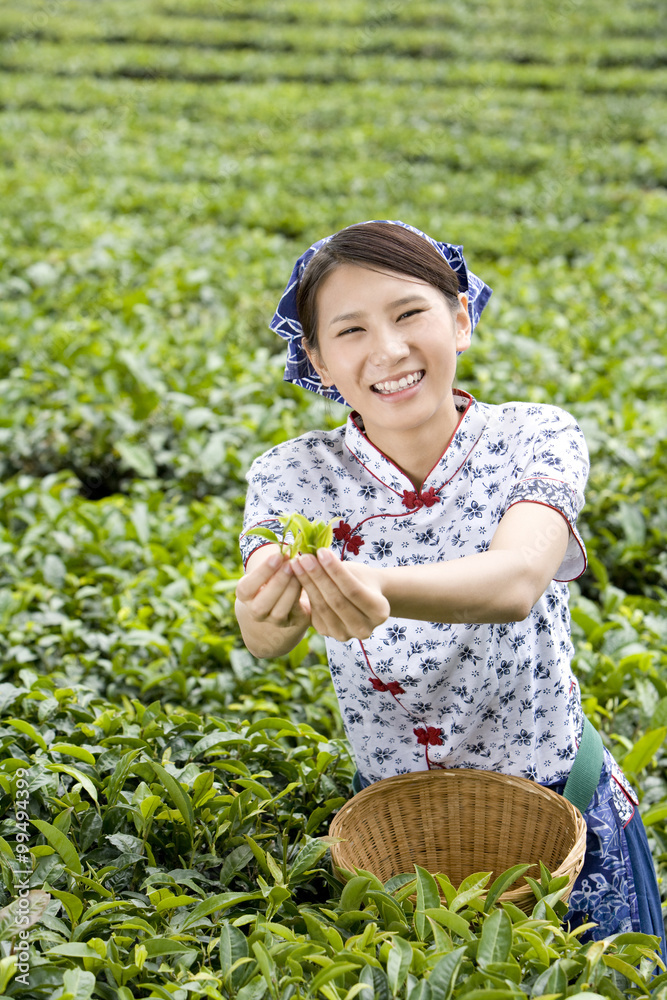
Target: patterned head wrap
{"type": "Point", "coordinates": [285, 322]}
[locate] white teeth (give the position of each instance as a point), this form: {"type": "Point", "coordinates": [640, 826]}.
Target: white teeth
{"type": "Point", "coordinates": [396, 386]}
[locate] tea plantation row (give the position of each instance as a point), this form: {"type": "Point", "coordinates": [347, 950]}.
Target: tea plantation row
{"type": "Point", "coordinates": [163, 793]}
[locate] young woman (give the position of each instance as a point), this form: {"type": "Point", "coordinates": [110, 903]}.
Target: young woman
{"type": "Point", "coordinates": [444, 599]}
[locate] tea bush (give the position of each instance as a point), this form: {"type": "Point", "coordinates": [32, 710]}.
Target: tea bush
{"type": "Point", "coordinates": [181, 855]}
{"type": "Point", "coordinates": [165, 796]}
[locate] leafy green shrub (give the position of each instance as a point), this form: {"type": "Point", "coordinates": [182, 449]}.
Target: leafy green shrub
{"type": "Point", "coordinates": [164, 164]}
{"type": "Point", "coordinates": [133, 596]}
{"type": "Point", "coordinates": [175, 854]}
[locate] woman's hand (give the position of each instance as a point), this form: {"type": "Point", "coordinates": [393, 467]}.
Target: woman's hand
{"type": "Point", "coordinates": [279, 598]}
{"type": "Point", "coordinates": [346, 600]}
{"type": "Point", "coordinates": [270, 592]}
{"type": "Point", "coordinates": [272, 609]}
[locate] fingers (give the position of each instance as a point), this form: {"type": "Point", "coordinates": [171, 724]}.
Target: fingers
{"type": "Point", "coordinates": [338, 600]}
{"type": "Point", "coordinates": [342, 605]}
{"type": "Point", "coordinates": [271, 592]}
{"type": "Point", "coordinates": [258, 572]}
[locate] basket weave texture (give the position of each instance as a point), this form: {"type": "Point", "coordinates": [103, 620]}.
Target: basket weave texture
{"type": "Point", "coordinates": [457, 822]}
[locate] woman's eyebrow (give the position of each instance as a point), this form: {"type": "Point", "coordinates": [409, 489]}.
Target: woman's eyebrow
{"type": "Point", "coordinates": [345, 316]}
{"type": "Point", "coordinates": [392, 305]}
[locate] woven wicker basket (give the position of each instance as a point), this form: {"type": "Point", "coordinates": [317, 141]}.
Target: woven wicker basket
{"type": "Point", "coordinates": [456, 822]}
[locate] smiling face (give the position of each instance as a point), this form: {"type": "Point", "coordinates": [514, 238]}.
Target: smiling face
{"type": "Point", "coordinates": [388, 342]}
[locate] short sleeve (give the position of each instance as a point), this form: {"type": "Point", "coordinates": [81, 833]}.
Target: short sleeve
{"type": "Point", "coordinates": [555, 474]}
{"type": "Point", "coordinates": [259, 513]}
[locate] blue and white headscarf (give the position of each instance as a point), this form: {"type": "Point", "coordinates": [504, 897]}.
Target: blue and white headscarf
{"type": "Point", "coordinates": [285, 322]}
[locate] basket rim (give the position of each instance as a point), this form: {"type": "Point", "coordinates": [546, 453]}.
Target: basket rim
{"type": "Point", "coordinates": [470, 774]}
{"type": "Point", "coordinates": [362, 801]}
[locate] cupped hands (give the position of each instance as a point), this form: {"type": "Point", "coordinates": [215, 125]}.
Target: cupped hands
{"type": "Point", "coordinates": [270, 592]}
{"type": "Point", "coordinates": [346, 600]}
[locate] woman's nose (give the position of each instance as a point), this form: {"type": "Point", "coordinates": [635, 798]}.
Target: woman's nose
{"type": "Point", "coordinates": [389, 347]}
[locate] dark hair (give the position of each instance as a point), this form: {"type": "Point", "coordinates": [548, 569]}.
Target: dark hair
{"type": "Point", "coordinates": [377, 246]}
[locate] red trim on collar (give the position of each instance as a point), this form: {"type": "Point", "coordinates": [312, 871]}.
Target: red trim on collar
{"type": "Point", "coordinates": [457, 392]}
{"type": "Point", "coordinates": [355, 413]}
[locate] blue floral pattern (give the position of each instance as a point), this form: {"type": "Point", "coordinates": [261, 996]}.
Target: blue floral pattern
{"type": "Point", "coordinates": [500, 696]}
{"type": "Point", "coordinates": [605, 891]}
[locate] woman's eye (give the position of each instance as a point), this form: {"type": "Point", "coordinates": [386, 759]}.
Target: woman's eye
{"type": "Point", "coordinates": [410, 312]}
{"type": "Point", "coordinates": [350, 329]}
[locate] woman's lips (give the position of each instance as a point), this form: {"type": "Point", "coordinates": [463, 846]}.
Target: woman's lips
{"type": "Point", "coordinates": [392, 386]}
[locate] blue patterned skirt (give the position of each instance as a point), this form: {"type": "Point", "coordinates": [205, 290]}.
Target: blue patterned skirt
{"type": "Point", "coordinates": [617, 887]}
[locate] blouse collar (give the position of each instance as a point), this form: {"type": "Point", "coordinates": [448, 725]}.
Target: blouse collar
{"type": "Point", "coordinates": [472, 421]}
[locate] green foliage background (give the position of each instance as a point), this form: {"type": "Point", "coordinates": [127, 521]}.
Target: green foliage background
{"type": "Point", "coordinates": [163, 164]}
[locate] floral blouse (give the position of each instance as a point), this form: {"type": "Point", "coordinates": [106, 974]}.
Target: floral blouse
{"type": "Point", "coordinates": [420, 694]}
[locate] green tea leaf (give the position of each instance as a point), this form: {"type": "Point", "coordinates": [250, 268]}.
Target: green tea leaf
{"type": "Point", "coordinates": [78, 983]}
{"type": "Point", "coordinates": [265, 533]}
{"type": "Point", "coordinates": [627, 970]}
{"type": "Point", "coordinates": [54, 571]}
{"type": "Point", "coordinates": [387, 906]}
{"type": "Point", "coordinates": [73, 949]}
{"type": "Point", "coordinates": [140, 521]}
{"type": "Point", "coordinates": [644, 750]}
{"type": "Point", "coordinates": [22, 913]}
{"type": "Point", "coordinates": [452, 921]}
{"type": "Point", "coordinates": [220, 901]}
{"type": "Point", "coordinates": [354, 893]}
{"type": "Point", "coordinates": [552, 981]}
{"type": "Point", "coordinates": [588, 995]}
{"type": "Point", "coordinates": [173, 902]}
{"type": "Point", "coordinates": [502, 883]}
{"type": "Point", "coordinates": [427, 896]}
{"type": "Point", "coordinates": [24, 727]}
{"type": "Point", "coordinates": [73, 751]}
{"type": "Point", "coordinates": [78, 775]}
{"type": "Point", "coordinates": [533, 938]}
{"type": "Point", "coordinates": [307, 859]}
{"type": "Point", "coordinates": [73, 905]}
{"type": "Point", "coordinates": [233, 946]}
{"type": "Point", "coordinates": [323, 537]}
{"type": "Point", "coordinates": [307, 536]}
{"type": "Point", "coordinates": [375, 980]}
{"type": "Point", "coordinates": [137, 458]}
{"type": "Point", "coordinates": [471, 891]}
{"type": "Point", "coordinates": [261, 725]}
{"type": "Point", "coordinates": [336, 970]}
{"type": "Point", "coordinates": [427, 889]}
{"type": "Point", "coordinates": [236, 861]}
{"type": "Point", "coordinates": [180, 798]}
{"type": "Point", "coordinates": [157, 946]}
{"type": "Point", "coordinates": [444, 974]}
{"type": "Point", "coordinates": [398, 964]}
{"type": "Point", "coordinates": [420, 991]}
{"type": "Point", "coordinates": [59, 843]}
{"type": "Point", "coordinates": [496, 939]}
